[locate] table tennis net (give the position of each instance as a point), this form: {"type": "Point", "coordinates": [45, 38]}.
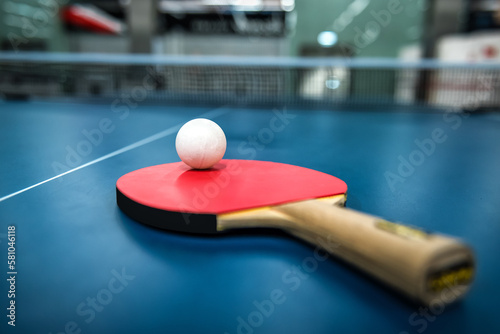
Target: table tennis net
{"type": "Point", "coordinates": [306, 82]}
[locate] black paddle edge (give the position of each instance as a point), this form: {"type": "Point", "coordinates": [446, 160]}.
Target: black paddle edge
{"type": "Point", "coordinates": [167, 220]}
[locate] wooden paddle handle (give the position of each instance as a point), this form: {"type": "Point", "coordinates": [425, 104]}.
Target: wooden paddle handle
{"type": "Point", "coordinates": [429, 268]}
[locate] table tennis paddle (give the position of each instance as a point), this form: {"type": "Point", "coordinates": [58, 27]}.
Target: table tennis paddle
{"type": "Point", "coordinates": [306, 203]}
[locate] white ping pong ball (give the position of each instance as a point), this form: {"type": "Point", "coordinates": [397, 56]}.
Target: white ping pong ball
{"type": "Point", "coordinates": [200, 143]}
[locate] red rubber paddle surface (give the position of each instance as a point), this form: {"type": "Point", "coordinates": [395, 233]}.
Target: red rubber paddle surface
{"type": "Point", "coordinates": [231, 185]}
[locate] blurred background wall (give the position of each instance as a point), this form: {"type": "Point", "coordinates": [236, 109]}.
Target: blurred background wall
{"type": "Point", "coordinates": [359, 28]}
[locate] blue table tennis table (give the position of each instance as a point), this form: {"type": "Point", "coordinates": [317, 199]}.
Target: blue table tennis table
{"type": "Point", "coordinates": [82, 266]}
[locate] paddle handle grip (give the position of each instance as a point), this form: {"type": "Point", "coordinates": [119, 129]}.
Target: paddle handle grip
{"type": "Point", "coordinates": [428, 268]}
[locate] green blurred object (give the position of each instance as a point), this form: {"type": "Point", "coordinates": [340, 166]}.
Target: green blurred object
{"type": "Point", "coordinates": [32, 25]}
{"type": "Point", "coordinates": [365, 28]}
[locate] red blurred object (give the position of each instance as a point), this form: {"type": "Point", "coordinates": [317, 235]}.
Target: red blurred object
{"type": "Point", "coordinates": [92, 18]}
{"type": "Point", "coordinates": [490, 52]}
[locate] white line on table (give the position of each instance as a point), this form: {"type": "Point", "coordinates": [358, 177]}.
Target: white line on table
{"type": "Point", "coordinates": [211, 114]}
